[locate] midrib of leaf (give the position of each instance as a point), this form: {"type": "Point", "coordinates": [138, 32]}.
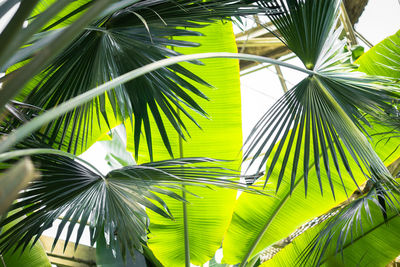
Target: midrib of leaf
{"type": "Point", "coordinates": [365, 234]}
{"type": "Point", "coordinates": [184, 207]}
{"type": "Point", "coordinates": [275, 213]}
{"type": "Point", "coordinates": [185, 229]}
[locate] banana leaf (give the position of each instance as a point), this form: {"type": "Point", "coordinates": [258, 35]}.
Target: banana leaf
{"type": "Point", "coordinates": [373, 242]}
{"type": "Point", "coordinates": [383, 59]}
{"type": "Point", "coordinates": [195, 235]}
{"type": "Point", "coordinates": [259, 222]}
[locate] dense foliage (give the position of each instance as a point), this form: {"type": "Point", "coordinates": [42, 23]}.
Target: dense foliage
{"type": "Point", "coordinates": [168, 71]}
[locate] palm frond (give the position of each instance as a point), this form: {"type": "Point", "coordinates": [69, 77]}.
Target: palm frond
{"type": "Point", "coordinates": [15, 81]}
{"type": "Point", "coordinates": [304, 26]}
{"type": "Point", "coordinates": [346, 226]}
{"type": "Point", "coordinates": [325, 112]}
{"type": "Point", "coordinates": [15, 114]}
{"type": "Point", "coordinates": [350, 234]}
{"type": "Point", "coordinates": [132, 37]}
{"type": "Point", "coordinates": [115, 202]}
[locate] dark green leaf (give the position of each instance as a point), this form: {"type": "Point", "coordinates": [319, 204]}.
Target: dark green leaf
{"type": "Point", "coordinates": [113, 203]}
{"type": "Point", "coordinates": [112, 47]}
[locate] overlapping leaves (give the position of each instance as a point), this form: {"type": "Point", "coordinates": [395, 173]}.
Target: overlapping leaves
{"type": "Point", "coordinates": [384, 60]}
{"type": "Point", "coordinates": [132, 37]}
{"type": "Point", "coordinates": [347, 224]}
{"type": "Point", "coordinates": [323, 110]}
{"type": "Point", "coordinates": [273, 219]}
{"type": "Point", "coordinates": [352, 235]}
{"type": "Point", "coordinates": [112, 203]}
{"type": "Point", "coordinates": [353, 230]}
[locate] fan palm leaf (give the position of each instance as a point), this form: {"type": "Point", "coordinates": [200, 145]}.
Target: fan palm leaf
{"type": "Point", "coordinates": [113, 202]}
{"type": "Point", "coordinates": [36, 256]}
{"type": "Point", "coordinates": [356, 245]}
{"type": "Point", "coordinates": [137, 35]}
{"type": "Point", "coordinates": [325, 109]}
{"type": "Point", "coordinates": [256, 227]}
{"type": "Point", "coordinates": [353, 236]}
{"type": "Point", "coordinates": [13, 82]}
{"type": "Point", "coordinates": [319, 243]}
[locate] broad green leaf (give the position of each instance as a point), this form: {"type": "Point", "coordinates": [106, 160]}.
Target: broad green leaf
{"type": "Point", "coordinates": [383, 59]}
{"type": "Point", "coordinates": [33, 256]}
{"type": "Point", "coordinates": [221, 137]}
{"type": "Point", "coordinates": [223, 106]}
{"type": "Point", "coordinates": [13, 180]}
{"type": "Point", "coordinates": [375, 245]}
{"type": "Point", "coordinates": [208, 217]}
{"type": "Point", "coordinates": [259, 222]}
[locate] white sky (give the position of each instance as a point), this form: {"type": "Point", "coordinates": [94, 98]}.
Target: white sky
{"type": "Point", "coordinates": [380, 19]}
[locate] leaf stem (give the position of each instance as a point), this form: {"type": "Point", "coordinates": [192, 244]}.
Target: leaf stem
{"type": "Point", "coordinates": [184, 206]}
{"type": "Point", "coordinates": [185, 229]}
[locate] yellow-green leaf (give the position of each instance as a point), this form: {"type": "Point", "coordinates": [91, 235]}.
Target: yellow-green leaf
{"type": "Point", "coordinates": [377, 245]}
{"type": "Point", "coordinates": [383, 59]}
{"type": "Point", "coordinates": [220, 137]}
{"type": "Point", "coordinates": [259, 222]}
